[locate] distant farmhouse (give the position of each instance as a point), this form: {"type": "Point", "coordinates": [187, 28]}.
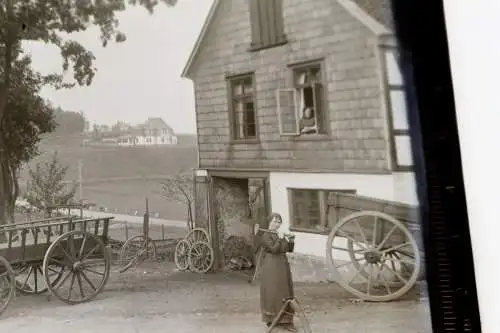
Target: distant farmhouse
{"type": "Point", "coordinates": [155, 131]}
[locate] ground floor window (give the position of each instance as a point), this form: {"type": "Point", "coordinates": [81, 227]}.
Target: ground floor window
{"type": "Point", "coordinates": [309, 208]}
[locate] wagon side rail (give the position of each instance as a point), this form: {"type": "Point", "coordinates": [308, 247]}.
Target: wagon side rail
{"type": "Point", "coordinates": [339, 205]}
{"type": "Point", "coordinates": [33, 222]}
{"type": "Point", "coordinates": [28, 243]}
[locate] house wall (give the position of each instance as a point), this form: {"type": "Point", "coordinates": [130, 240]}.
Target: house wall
{"type": "Point", "coordinates": [400, 188]}
{"type": "Point", "coordinates": [315, 29]}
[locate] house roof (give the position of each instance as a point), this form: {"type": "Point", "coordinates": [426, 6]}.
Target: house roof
{"type": "Point", "coordinates": [375, 14]}
{"type": "Point", "coordinates": [157, 123]}
{"type": "Point", "coordinates": [380, 10]}
{"type": "Point", "coordinates": [152, 123]}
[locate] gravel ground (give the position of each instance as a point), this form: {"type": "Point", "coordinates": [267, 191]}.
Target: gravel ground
{"type": "Point", "coordinates": [154, 297]}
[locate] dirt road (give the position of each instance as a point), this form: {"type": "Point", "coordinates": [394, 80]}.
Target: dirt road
{"type": "Point", "coordinates": [156, 298]}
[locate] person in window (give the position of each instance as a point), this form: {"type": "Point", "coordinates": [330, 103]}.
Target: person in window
{"type": "Point", "coordinates": [276, 278]}
{"type": "Point", "coordinates": [307, 122]}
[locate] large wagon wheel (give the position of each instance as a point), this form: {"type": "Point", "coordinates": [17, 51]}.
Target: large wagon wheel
{"type": "Point", "coordinates": [201, 257]}
{"type": "Point", "coordinates": [197, 235]}
{"type": "Point", "coordinates": [87, 265]}
{"type": "Point", "coordinates": [181, 255]}
{"type": "Point", "coordinates": [136, 250]}
{"type": "Point", "coordinates": [7, 284]}
{"type": "Point", "coordinates": [30, 279]}
{"type": "Point", "coordinates": [383, 256]}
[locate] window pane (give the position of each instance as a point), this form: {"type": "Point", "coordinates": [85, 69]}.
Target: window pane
{"type": "Point", "coordinates": [394, 76]}
{"type": "Point", "coordinates": [301, 77]}
{"type": "Point", "coordinates": [403, 150]}
{"type": "Point", "coordinates": [315, 75]}
{"type": "Point", "coordinates": [247, 86]}
{"type": "Point", "coordinates": [237, 88]}
{"type": "Point", "coordinates": [399, 110]}
{"type": "Point", "coordinates": [250, 120]}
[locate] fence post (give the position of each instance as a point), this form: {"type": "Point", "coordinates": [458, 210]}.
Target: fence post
{"type": "Point", "coordinates": [126, 231]}
{"type": "Point", "coordinates": [162, 232]}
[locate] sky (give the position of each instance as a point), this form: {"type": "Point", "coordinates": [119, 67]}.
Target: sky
{"type": "Point", "coordinates": [139, 78]}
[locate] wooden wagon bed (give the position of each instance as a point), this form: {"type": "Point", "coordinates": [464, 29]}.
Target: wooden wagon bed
{"type": "Point", "coordinates": [374, 246]}
{"type": "Point", "coordinates": [64, 255]}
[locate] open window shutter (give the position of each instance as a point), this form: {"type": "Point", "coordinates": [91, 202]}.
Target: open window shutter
{"type": "Point", "coordinates": [255, 22]}
{"type": "Point", "coordinates": [319, 112]}
{"type": "Point", "coordinates": [287, 112]}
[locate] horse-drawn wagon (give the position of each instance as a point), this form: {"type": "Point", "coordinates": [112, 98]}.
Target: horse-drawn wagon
{"type": "Point", "coordinates": [64, 255]}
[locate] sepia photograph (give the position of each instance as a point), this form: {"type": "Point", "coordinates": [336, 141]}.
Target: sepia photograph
{"type": "Point", "coordinates": [207, 166]}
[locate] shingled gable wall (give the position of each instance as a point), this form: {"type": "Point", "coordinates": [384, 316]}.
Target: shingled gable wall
{"type": "Point", "coordinates": [316, 29]}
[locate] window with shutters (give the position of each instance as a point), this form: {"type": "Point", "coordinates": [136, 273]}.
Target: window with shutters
{"type": "Point", "coordinates": [401, 152]}
{"type": "Point", "coordinates": [301, 108]}
{"type": "Point", "coordinates": [309, 209]}
{"type": "Point", "coordinates": [266, 19]}
{"type": "Point", "coordinates": [243, 119]}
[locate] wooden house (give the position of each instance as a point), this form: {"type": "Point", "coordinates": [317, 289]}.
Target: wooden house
{"type": "Point", "coordinates": [299, 98]}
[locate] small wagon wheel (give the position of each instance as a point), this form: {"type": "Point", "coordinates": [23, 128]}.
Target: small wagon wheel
{"type": "Point", "coordinates": [30, 279]}
{"type": "Point", "coordinates": [201, 257]}
{"type": "Point", "coordinates": [136, 250]}
{"type": "Point", "coordinates": [382, 253]}
{"type": "Point", "coordinates": [181, 255]}
{"type": "Point", "coordinates": [7, 284]}
{"type": "Point", "coordinates": [197, 235]}
{"type": "Point", "coordinates": [87, 265]}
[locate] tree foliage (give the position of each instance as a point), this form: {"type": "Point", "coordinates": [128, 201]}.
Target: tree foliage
{"type": "Point", "coordinates": [47, 185]}
{"type": "Point", "coordinates": [180, 188]}
{"type": "Point", "coordinates": [50, 22]}
{"type": "Point", "coordinates": [69, 122]}
{"type": "Point", "coordinates": [26, 119]}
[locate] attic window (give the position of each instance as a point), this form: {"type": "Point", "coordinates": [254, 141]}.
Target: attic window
{"type": "Point", "coordinates": [266, 19]}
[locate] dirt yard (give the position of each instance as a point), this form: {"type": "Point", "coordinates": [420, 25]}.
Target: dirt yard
{"type": "Point", "coordinates": [154, 297]}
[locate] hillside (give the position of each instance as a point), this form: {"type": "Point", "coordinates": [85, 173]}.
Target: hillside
{"type": "Point", "coordinates": [119, 178]}
{"type": "Point", "coordinates": [113, 162]}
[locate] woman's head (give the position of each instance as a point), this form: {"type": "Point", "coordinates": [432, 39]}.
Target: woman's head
{"type": "Point", "coordinates": [308, 113]}
{"type": "Point", "coordinates": [275, 221]}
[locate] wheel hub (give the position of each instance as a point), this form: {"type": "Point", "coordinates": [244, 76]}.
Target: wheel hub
{"type": "Point", "coordinates": [78, 266]}
{"type": "Point", "coordinates": [373, 257]}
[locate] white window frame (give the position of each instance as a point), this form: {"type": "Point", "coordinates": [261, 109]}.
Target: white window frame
{"type": "Point", "coordinates": [395, 133]}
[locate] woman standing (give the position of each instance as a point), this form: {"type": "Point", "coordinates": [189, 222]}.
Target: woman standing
{"type": "Point", "coordinates": [276, 278]}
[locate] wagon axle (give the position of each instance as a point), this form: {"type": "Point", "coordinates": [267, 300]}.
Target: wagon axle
{"type": "Point", "coordinates": [373, 257]}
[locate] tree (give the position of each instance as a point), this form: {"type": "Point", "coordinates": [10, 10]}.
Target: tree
{"type": "Point", "coordinates": [52, 22]}
{"type": "Point", "coordinates": [47, 185]}
{"type": "Point", "coordinates": [180, 188]}
{"type": "Point", "coordinates": [28, 117]}
{"type": "Point", "coordinates": [69, 122]}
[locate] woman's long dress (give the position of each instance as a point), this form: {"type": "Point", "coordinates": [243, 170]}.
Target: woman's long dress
{"type": "Point", "coordinates": [275, 279]}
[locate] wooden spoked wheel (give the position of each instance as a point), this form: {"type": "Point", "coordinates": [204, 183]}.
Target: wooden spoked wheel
{"type": "Point", "coordinates": [374, 256]}
{"type": "Point", "coordinates": [87, 265]}
{"type": "Point", "coordinates": [136, 250]}
{"type": "Point", "coordinates": [7, 284]}
{"type": "Point", "coordinates": [181, 255]}
{"type": "Point", "coordinates": [197, 235]}
{"type": "Point", "coordinates": [201, 257]}
{"type": "Point", "coordinates": [30, 279]}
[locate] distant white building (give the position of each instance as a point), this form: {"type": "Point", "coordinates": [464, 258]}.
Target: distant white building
{"type": "Point", "coordinates": [153, 132]}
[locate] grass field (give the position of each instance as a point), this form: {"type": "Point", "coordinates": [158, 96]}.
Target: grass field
{"type": "Point", "coordinates": [129, 195]}
{"type": "Point", "coordinates": [102, 165]}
